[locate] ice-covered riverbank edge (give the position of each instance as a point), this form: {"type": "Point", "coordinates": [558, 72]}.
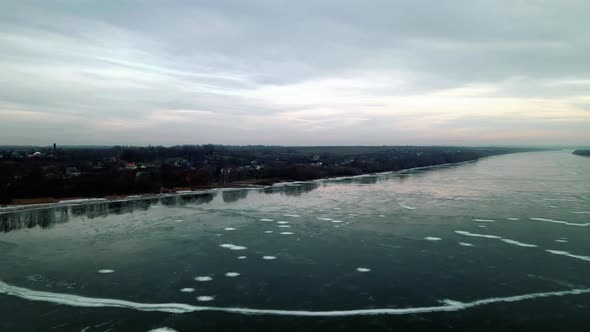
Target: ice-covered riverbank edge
{"type": "Point", "coordinates": [84, 201]}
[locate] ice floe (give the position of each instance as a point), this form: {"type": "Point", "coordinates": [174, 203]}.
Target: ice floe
{"type": "Point", "coordinates": [269, 257]}
{"type": "Point", "coordinates": [325, 219]}
{"type": "Point", "coordinates": [363, 269]}
{"type": "Point", "coordinates": [432, 238]}
{"type": "Point", "coordinates": [241, 257]}
{"type": "Point", "coordinates": [232, 274]}
{"type": "Point", "coordinates": [187, 290]}
{"type": "Point", "coordinates": [284, 226]}
{"type": "Point", "coordinates": [560, 199]}
{"type": "Point", "coordinates": [266, 219]}
{"type": "Point", "coordinates": [292, 215]}
{"type": "Point", "coordinates": [83, 200]}
{"type": "Point", "coordinates": [561, 222]}
{"type": "Point", "coordinates": [465, 244]}
{"type": "Point", "coordinates": [286, 233]}
{"type": "Point", "coordinates": [163, 329]}
{"type": "Point", "coordinates": [478, 235]}
{"type": "Point", "coordinates": [106, 271]}
{"type": "Point", "coordinates": [484, 220]}
{"type": "Point", "coordinates": [566, 253]}
{"type": "Point", "coordinates": [487, 236]}
{"type": "Point", "coordinates": [229, 229]}
{"type": "Point", "coordinates": [267, 232]}
{"type": "Point", "coordinates": [407, 206]}
{"type": "Point", "coordinates": [232, 246]}
{"type": "Point", "coordinates": [561, 241]}
{"type": "Point", "coordinates": [282, 222]}
{"type": "Point", "coordinates": [180, 308]}
{"type": "Point", "coordinates": [517, 243]}
{"type": "Point", "coordinates": [204, 298]}
{"type": "Point", "coordinates": [513, 219]}
{"type": "Point", "coordinates": [337, 221]}
{"type": "Point", "coordinates": [203, 278]}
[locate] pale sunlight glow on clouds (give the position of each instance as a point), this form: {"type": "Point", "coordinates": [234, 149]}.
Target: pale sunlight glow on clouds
{"type": "Point", "coordinates": [295, 72]}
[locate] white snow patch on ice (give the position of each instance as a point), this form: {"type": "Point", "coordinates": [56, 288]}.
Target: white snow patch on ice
{"type": "Point", "coordinates": [232, 246]}
{"type": "Point", "coordinates": [203, 278]}
{"type": "Point", "coordinates": [561, 222]}
{"type": "Point", "coordinates": [517, 243]}
{"type": "Point", "coordinates": [204, 298]}
{"type": "Point", "coordinates": [560, 199]}
{"type": "Point", "coordinates": [187, 290]}
{"type": "Point", "coordinates": [106, 271]}
{"type": "Point", "coordinates": [232, 274]}
{"type": "Point", "coordinates": [565, 253]}
{"type": "Point", "coordinates": [180, 308]}
{"type": "Point", "coordinates": [478, 235]}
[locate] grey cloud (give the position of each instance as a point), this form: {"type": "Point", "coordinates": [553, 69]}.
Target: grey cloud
{"type": "Point", "coordinates": [125, 60]}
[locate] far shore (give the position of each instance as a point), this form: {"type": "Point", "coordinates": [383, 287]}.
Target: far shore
{"type": "Point", "coordinates": [41, 202]}
{"type": "Point", "coordinates": [33, 202]}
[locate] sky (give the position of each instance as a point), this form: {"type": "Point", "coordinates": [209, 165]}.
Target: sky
{"type": "Point", "coordinates": [334, 72]}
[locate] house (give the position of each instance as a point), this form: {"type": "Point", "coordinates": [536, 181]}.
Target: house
{"type": "Point", "coordinates": [72, 172]}
{"type": "Point", "coordinates": [131, 166]}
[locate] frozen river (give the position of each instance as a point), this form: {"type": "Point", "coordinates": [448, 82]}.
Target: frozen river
{"type": "Point", "coordinates": [497, 244]}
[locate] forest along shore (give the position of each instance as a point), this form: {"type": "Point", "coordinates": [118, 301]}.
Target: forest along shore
{"type": "Point", "coordinates": [36, 175]}
{"type": "Point", "coordinates": [585, 153]}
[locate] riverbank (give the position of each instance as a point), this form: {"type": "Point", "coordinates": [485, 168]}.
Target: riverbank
{"type": "Point", "coordinates": [43, 202]}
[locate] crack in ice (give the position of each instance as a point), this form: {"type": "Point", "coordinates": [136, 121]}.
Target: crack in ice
{"type": "Point", "coordinates": [180, 308]}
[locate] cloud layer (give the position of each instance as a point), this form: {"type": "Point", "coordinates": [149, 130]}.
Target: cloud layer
{"type": "Point", "coordinates": [294, 73]}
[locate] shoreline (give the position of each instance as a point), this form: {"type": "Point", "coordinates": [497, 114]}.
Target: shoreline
{"type": "Point", "coordinates": [269, 183]}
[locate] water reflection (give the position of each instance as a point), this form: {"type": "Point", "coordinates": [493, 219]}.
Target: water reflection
{"type": "Point", "coordinates": [32, 218]}
{"type": "Point", "coordinates": [47, 217]}
{"type": "Point", "coordinates": [293, 189]}
{"type": "Point", "coordinates": [231, 196]}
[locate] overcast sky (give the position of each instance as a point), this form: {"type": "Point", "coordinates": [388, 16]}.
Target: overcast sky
{"type": "Point", "coordinates": [295, 72]}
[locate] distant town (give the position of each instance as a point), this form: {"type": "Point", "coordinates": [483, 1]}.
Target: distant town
{"type": "Point", "coordinates": [48, 174]}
